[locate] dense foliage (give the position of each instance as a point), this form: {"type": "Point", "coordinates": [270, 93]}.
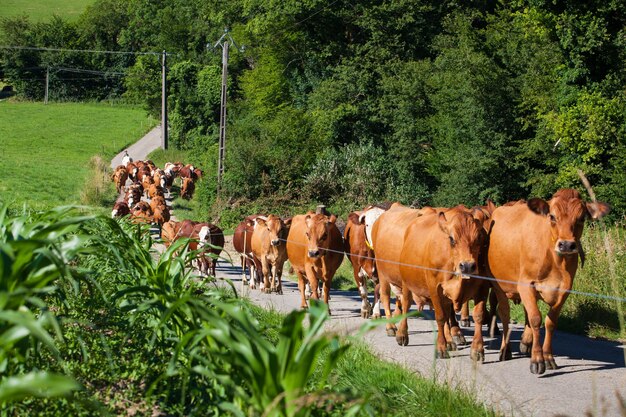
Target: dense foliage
{"type": "Point", "coordinates": [421, 101]}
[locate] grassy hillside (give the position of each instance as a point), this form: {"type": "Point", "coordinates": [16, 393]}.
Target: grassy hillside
{"type": "Point", "coordinates": [38, 10]}
{"type": "Point", "coordinates": [46, 150]}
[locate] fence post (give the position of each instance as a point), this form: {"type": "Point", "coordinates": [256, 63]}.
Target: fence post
{"type": "Point", "coordinates": [45, 99]}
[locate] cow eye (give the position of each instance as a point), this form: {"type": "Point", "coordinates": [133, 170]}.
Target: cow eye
{"type": "Point", "coordinates": [308, 235]}
{"type": "Point", "coordinates": [452, 241]}
{"type": "Point", "coordinates": [552, 218]}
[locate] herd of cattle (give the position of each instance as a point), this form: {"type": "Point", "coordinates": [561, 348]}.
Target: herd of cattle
{"type": "Point", "coordinates": [522, 251]}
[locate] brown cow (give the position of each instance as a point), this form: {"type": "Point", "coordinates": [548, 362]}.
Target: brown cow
{"type": "Point", "coordinates": [187, 171]}
{"type": "Point", "coordinates": [155, 190]}
{"type": "Point", "coordinates": [119, 177]}
{"type": "Point", "coordinates": [211, 242]}
{"type": "Point", "coordinates": [533, 253]}
{"type": "Point", "coordinates": [315, 251]}
{"type": "Point", "coordinates": [141, 213]}
{"type": "Point", "coordinates": [242, 242]}
{"type": "Point", "coordinates": [120, 209]}
{"type": "Point", "coordinates": [439, 254]}
{"type": "Point", "coordinates": [169, 232]}
{"type": "Point", "coordinates": [361, 256]}
{"type": "Point", "coordinates": [270, 247]}
{"type": "Point", "coordinates": [133, 194]}
{"type": "Point", "coordinates": [160, 215]}
{"type": "Point", "coordinates": [187, 189]}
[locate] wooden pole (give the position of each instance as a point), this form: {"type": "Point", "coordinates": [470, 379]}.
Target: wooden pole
{"type": "Point", "coordinates": [222, 144]}
{"type": "Point", "coordinates": [164, 127]}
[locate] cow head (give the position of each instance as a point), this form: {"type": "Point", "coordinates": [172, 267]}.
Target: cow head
{"type": "Point", "coordinates": [277, 228]}
{"type": "Point", "coordinates": [318, 233]}
{"type": "Point", "coordinates": [566, 213]}
{"type": "Point", "coordinates": [465, 235]}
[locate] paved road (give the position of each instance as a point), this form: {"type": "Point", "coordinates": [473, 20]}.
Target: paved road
{"type": "Point", "coordinates": [142, 148]}
{"type": "Point", "coordinates": [590, 372]}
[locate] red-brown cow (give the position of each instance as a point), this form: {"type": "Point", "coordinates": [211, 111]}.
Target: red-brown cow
{"type": "Point", "coordinates": [361, 256]}
{"type": "Point", "coordinates": [440, 253]}
{"type": "Point", "coordinates": [187, 189]}
{"type": "Point", "coordinates": [533, 253]}
{"type": "Point", "coordinates": [119, 177]}
{"type": "Point", "coordinates": [242, 242]}
{"type": "Point", "coordinates": [169, 232]}
{"type": "Point", "coordinates": [120, 209]}
{"type": "Point", "coordinates": [315, 251]}
{"type": "Point", "coordinates": [270, 247]}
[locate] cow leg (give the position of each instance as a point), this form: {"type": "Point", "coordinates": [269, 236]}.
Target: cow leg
{"type": "Point", "coordinates": [376, 310]}
{"type": "Point", "coordinates": [504, 311]}
{"type": "Point", "coordinates": [441, 316]}
{"type": "Point", "coordinates": [526, 342]}
{"type": "Point", "coordinates": [493, 319]}
{"type": "Point", "coordinates": [267, 270]}
{"type": "Point", "coordinates": [385, 290]}
{"type": "Point", "coordinates": [402, 336]}
{"type": "Point", "coordinates": [326, 283]}
{"type": "Point", "coordinates": [362, 285]}
{"type": "Point", "coordinates": [278, 275]}
{"type": "Point", "coordinates": [477, 351]}
{"type": "Point", "coordinates": [302, 281]}
{"type": "Point", "coordinates": [455, 331]}
{"type": "Point", "coordinates": [552, 319]}
{"type": "Point", "coordinates": [465, 319]}
{"type": "Point", "coordinates": [529, 299]}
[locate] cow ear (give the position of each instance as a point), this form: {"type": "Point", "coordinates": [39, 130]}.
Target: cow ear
{"type": "Point", "coordinates": [250, 223]}
{"type": "Point", "coordinates": [479, 215]}
{"type": "Point", "coordinates": [260, 221]}
{"type": "Point", "coordinates": [443, 223]}
{"type": "Point", "coordinates": [490, 207]}
{"type": "Point", "coordinates": [332, 219]}
{"type": "Point", "coordinates": [362, 219]}
{"type": "Point", "coordinates": [538, 206]}
{"type": "Point", "coordinates": [287, 222]}
{"type": "Point", "coordinates": [598, 210]}
{"type": "Point", "coordinates": [354, 218]}
{"type": "Point", "coordinates": [308, 221]}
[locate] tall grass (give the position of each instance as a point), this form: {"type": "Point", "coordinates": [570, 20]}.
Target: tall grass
{"type": "Point", "coordinates": [98, 187]}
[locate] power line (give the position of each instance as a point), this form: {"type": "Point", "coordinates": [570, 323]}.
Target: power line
{"type": "Point", "coordinates": [92, 51]}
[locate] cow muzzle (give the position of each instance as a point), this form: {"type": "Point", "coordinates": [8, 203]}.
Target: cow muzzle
{"type": "Point", "coordinates": [466, 268]}
{"type": "Point", "coordinates": [566, 247]}
{"type": "Point", "coordinates": [275, 242]}
{"type": "Point", "coordinates": [314, 253]}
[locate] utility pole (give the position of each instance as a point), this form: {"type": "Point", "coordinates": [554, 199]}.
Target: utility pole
{"type": "Point", "coordinates": [164, 128]}
{"type": "Point", "coordinates": [224, 41]}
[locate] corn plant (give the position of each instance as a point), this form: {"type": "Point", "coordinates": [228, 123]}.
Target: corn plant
{"type": "Point", "coordinates": [34, 256]}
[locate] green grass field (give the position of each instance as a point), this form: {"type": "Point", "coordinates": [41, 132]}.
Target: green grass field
{"type": "Point", "coordinates": [39, 10]}
{"type": "Point", "coordinates": [46, 149]}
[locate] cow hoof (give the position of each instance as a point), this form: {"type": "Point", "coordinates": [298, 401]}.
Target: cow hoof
{"type": "Point", "coordinates": [365, 314]}
{"type": "Point", "coordinates": [376, 315]}
{"type": "Point", "coordinates": [524, 348]}
{"type": "Point", "coordinates": [505, 355]}
{"type": "Point", "coordinates": [451, 347]}
{"type": "Point", "coordinates": [267, 290]}
{"type": "Point", "coordinates": [465, 323]}
{"type": "Point", "coordinates": [550, 364]}
{"type": "Point", "coordinates": [477, 355]}
{"type": "Point", "coordinates": [402, 340]}
{"type": "Point", "coordinates": [391, 332]}
{"type": "Point", "coordinates": [459, 339]}
{"type": "Point", "coordinates": [442, 354]}
{"type": "Point", "coordinates": [279, 292]}
{"type": "Point", "coordinates": [537, 368]}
